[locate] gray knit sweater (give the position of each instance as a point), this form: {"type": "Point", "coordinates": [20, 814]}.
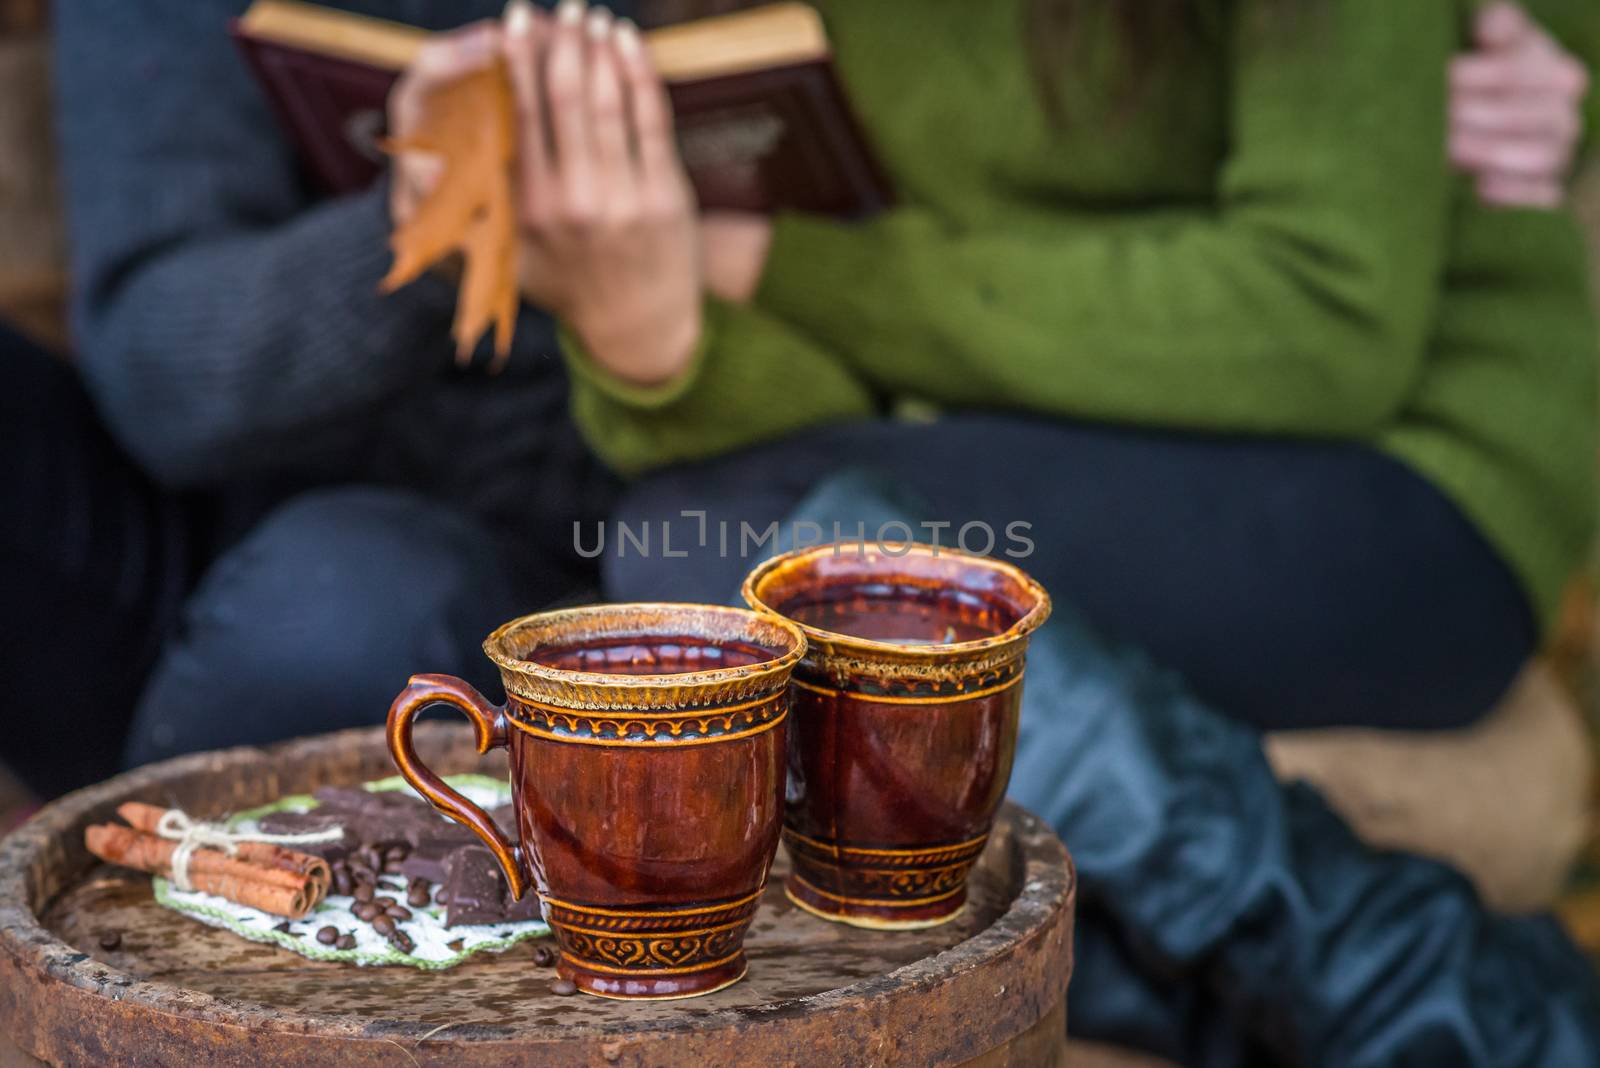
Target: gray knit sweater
{"type": "Point", "coordinates": [229, 324]}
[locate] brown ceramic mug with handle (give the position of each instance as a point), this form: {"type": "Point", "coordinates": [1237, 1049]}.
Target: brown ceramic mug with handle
{"type": "Point", "coordinates": [647, 771]}
{"type": "Point", "coordinates": [904, 722]}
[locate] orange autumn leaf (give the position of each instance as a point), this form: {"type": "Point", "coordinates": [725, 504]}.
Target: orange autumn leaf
{"type": "Point", "coordinates": [469, 125]}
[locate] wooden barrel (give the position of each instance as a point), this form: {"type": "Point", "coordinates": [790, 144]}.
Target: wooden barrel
{"type": "Point", "coordinates": [987, 989]}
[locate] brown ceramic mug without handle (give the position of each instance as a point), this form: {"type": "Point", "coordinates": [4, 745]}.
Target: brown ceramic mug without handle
{"type": "Point", "coordinates": [904, 721]}
{"type": "Point", "coordinates": [647, 747]}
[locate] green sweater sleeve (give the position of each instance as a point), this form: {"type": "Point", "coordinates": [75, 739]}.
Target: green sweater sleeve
{"type": "Point", "coordinates": [1299, 303]}
{"type": "Point", "coordinates": [751, 379]}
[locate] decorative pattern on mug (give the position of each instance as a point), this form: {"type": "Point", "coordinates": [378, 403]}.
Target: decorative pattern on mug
{"type": "Point", "coordinates": [633, 728]}
{"type": "Point", "coordinates": [843, 872]}
{"type": "Point", "coordinates": [672, 954]}
{"type": "Point", "coordinates": [860, 679]}
{"type": "Point", "coordinates": [665, 941]}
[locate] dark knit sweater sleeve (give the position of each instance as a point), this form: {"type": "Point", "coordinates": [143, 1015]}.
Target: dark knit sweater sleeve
{"type": "Point", "coordinates": [225, 324]}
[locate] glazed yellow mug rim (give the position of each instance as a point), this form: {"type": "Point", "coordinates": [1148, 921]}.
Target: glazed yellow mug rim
{"type": "Point", "coordinates": [1030, 621]}
{"type": "Point", "coordinates": [783, 638]}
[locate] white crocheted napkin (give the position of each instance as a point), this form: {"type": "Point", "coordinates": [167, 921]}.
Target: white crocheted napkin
{"type": "Point", "coordinates": [437, 946]}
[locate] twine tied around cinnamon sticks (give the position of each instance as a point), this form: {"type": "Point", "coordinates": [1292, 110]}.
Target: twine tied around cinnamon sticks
{"type": "Point", "coordinates": [255, 870]}
{"type": "Point", "coordinates": [191, 835]}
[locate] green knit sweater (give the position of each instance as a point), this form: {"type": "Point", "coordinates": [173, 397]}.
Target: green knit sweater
{"type": "Point", "coordinates": [1265, 239]}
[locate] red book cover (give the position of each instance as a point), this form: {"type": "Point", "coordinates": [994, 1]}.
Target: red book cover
{"type": "Point", "coordinates": [768, 138]}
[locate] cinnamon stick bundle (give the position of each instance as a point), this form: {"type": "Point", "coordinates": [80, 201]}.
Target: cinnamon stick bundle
{"type": "Point", "coordinates": [146, 818]}
{"type": "Point", "coordinates": [268, 887]}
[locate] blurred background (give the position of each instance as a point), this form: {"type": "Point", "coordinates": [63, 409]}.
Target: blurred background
{"type": "Point", "coordinates": [34, 282]}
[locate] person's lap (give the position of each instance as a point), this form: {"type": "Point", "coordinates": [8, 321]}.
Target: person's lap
{"type": "Point", "coordinates": [316, 619]}
{"type": "Point", "coordinates": [1295, 584]}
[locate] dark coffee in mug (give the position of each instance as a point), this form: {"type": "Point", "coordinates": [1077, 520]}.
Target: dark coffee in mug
{"type": "Point", "coordinates": [647, 748]}
{"type": "Point", "coordinates": [900, 614]}
{"type": "Point", "coordinates": [904, 722]}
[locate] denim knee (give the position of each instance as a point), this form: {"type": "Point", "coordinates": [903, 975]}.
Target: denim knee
{"type": "Point", "coordinates": [316, 619]}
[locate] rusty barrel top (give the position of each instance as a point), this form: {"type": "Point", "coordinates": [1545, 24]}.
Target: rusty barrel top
{"type": "Point", "coordinates": [987, 989]}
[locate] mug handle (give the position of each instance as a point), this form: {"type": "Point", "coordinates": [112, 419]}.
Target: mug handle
{"type": "Point", "coordinates": [489, 723]}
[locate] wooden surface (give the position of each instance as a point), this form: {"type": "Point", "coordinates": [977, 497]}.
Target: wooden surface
{"type": "Point", "coordinates": [987, 989]}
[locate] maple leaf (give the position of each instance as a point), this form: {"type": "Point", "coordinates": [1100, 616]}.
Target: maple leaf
{"type": "Point", "coordinates": [470, 125]}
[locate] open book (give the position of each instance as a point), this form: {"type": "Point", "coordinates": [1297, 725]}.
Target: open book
{"type": "Point", "coordinates": [762, 122]}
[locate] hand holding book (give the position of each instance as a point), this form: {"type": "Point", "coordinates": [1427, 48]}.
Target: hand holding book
{"type": "Point", "coordinates": [607, 235]}
{"type": "Point", "coordinates": [760, 124]}
{"type": "Point", "coordinates": [602, 220]}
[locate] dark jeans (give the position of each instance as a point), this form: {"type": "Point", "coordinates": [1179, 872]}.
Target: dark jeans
{"type": "Point", "coordinates": [133, 632]}
{"type": "Point", "coordinates": [1294, 584]}
{"type": "Point", "coordinates": [97, 560]}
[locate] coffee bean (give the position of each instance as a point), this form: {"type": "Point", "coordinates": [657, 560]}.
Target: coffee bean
{"type": "Point", "coordinates": [342, 883]}
{"type": "Point", "coordinates": [399, 912]}
{"type": "Point", "coordinates": [543, 957]}
{"type": "Point", "coordinates": [440, 897]}
{"type": "Point", "coordinates": [346, 941]}
{"type": "Point", "coordinates": [110, 940]}
{"type": "Point", "coordinates": [563, 987]}
{"type": "Point", "coordinates": [328, 935]}
{"type": "Point", "coordinates": [384, 925]}
{"type": "Point", "coordinates": [366, 911]}
{"type": "Point", "coordinates": [363, 891]}
{"type": "Point", "coordinates": [402, 941]}
{"type": "Point", "coordinates": [386, 901]}
{"type": "Point", "coordinates": [418, 898]}
{"type": "Point", "coordinates": [396, 853]}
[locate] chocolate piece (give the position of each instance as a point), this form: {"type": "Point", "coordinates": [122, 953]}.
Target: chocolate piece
{"type": "Point", "coordinates": [110, 940]}
{"type": "Point", "coordinates": [425, 864]}
{"type": "Point", "coordinates": [455, 945]}
{"type": "Point", "coordinates": [563, 987]}
{"type": "Point", "coordinates": [526, 909]}
{"type": "Point", "coordinates": [283, 928]}
{"type": "Point", "coordinates": [476, 888]}
{"type": "Point", "coordinates": [476, 892]}
{"type": "Point", "coordinates": [306, 822]}
{"type": "Point", "coordinates": [390, 820]}
{"type": "Point", "coordinates": [328, 935]}
{"type": "Point", "coordinates": [396, 832]}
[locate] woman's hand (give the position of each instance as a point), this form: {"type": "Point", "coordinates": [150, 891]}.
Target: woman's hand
{"type": "Point", "coordinates": [1515, 110]}
{"type": "Point", "coordinates": [443, 59]}
{"type": "Point", "coordinates": [734, 246]}
{"type": "Point", "coordinates": [609, 240]}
